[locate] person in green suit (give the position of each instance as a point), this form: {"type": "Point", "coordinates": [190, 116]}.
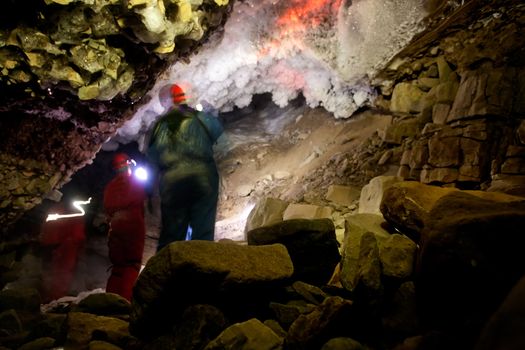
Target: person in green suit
{"type": "Point", "coordinates": [181, 148]}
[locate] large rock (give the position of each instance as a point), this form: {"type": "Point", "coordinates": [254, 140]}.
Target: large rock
{"type": "Point", "coordinates": [406, 204]}
{"type": "Point", "coordinates": [397, 254]}
{"type": "Point", "coordinates": [249, 335]}
{"type": "Point", "coordinates": [383, 254]}
{"type": "Point", "coordinates": [487, 91]}
{"type": "Point", "coordinates": [330, 319]}
{"type": "Point", "coordinates": [306, 211]}
{"type": "Point", "coordinates": [312, 245]}
{"type": "Point", "coordinates": [202, 272]}
{"type": "Point", "coordinates": [372, 193]}
{"type": "Point", "coordinates": [400, 314]}
{"type": "Point", "coordinates": [368, 267]}
{"type": "Point", "coordinates": [471, 255]}
{"type": "Point", "coordinates": [504, 330]}
{"type": "Point", "coordinates": [510, 184]}
{"type": "Point", "coordinates": [356, 226]}
{"type": "Point", "coordinates": [20, 298]}
{"type": "Point", "coordinates": [266, 212]}
{"type": "Point", "coordinates": [356, 263]}
{"type": "Point", "coordinates": [199, 325]}
{"type": "Point", "coordinates": [397, 132]}
{"type": "Point", "coordinates": [104, 304]}
{"type": "Point", "coordinates": [82, 327]}
{"type": "Point", "coordinates": [342, 195]}
{"type": "Point", "coordinates": [406, 98]}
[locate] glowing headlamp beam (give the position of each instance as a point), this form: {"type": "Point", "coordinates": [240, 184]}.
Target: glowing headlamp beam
{"type": "Point", "coordinates": [76, 204]}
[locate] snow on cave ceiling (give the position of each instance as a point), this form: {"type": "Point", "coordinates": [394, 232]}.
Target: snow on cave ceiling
{"type": "Point", "coordinates": [327, 50]}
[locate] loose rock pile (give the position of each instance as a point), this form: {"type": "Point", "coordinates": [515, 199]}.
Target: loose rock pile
{"type": "Point", "coordinates": [291, 286]}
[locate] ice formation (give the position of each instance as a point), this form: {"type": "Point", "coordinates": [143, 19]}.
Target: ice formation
{"type": "Point", "coordinates": [327, 50]}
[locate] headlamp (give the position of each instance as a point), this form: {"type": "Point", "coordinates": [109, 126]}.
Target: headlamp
{"type": "Point", "coordinates": [141, 173]}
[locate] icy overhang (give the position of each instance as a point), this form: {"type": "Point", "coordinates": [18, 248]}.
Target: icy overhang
{"type": "Point", "coordinates": [326, 50]}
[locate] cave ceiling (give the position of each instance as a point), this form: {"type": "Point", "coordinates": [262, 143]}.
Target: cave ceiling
{"type": "Point", "coordinates": [80, 67]}
{"type": "Point", "coordinates": [73, 72]}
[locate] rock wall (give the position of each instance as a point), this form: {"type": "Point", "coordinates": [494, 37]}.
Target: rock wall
{"type": "Point", "coordinates": [459, 103]}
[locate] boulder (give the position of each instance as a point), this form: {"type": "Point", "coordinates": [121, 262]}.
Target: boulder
{"type": "Point", "coordinates": [249, 335]}
{"type": "Point", "coordinates": [471, 256]}
{"type": "Point", "coordinates": [406, 98]}
{"type": "Point", "coordinates": [202, 272]}
{"type": "Point", "coordinates": [342, 195]}
{"type": "Point", "coordinates": [312, 246]}
{"type": "Point", "coordinates": [342, 343]}
{"type": "Point", "coordinates": [266, 212]}
{"type": "Point", "coordinates": [198, 325]}
{"type": "Point", "coordinates": [406, 205]}
{"type": "Point", "coordinates": [306, 211]}
{"type": "Point", "coordinates": [400, 315]}
{"type": "Point", "coordinates": [372, 193]}
{"type": "Point", "coordinates": [82, 327]}
{"type": "Point", "coordinates": [504, 330]}
{"type": "Point", "coordinates": [104, 304]}
{"type": "Point", "coordinates": [397, 254]}
{"type": "Point", "coordinates": [330, 319]}
{"type": "Point", "coordinates": [509, 184]}
{"type": "Point", "coordinates": [353, 260]}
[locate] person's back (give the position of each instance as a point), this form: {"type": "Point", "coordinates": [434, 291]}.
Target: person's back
{"type": "Point", "coordinates": [124, 207]}
{"type": "Point", "coordinates": [181, 138]}
{"type": "Point", "coordinates": [181, 146]}
{"type": "Point", "coordinates": [124, 199]}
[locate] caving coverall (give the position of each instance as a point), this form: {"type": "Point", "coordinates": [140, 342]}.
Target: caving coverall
{"type": "Point", "coordinates": [124, 207]}
{"type": "Point", "coordinates": [181, 146]}
{"type": "Point", "coordinates": [65, 237]}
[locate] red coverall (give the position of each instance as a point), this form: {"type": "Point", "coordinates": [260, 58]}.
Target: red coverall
{"type": "Point", "coordinates": [66, 236]}
{"type": "Point", "coordinates": [124, 207]}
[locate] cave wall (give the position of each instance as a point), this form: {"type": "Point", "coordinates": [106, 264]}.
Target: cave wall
{"type": "Point", "coordinates": [458, 94]}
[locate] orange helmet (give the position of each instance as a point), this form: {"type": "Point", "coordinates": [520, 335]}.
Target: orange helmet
{"type": "Point", "coordinates": [177, 94]}
{"type": "Point", "coordinates": [120, 160]}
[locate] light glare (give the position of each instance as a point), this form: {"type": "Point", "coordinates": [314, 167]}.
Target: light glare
{"type": "Point", "coordinates": [76, 204]}
{"type": "Point", "coordinates": [141, 174]}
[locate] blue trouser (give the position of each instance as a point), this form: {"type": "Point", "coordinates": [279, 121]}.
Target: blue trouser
{"type": "Point", "coordinates": [188, 201]}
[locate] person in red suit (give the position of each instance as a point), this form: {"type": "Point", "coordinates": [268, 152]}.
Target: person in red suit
{"type": "Point", "coordinates": [63, 239]}
{"type": "Point", "coordinates": [124, 208]}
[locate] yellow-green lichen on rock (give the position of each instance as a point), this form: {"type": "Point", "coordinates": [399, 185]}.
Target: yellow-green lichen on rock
{"type": "Point", "coordinates": [59, 70]}
{"type": "Point", "coordinates": [95, 56]}
{"type": "Point", "coordinates": [164, 21]}
{"type": "Point", "coordinates": [30, 39]}
{"type": "Point", "coordinates": [75, 49]}
{"type": "Point", "coordinates": [106, 87]}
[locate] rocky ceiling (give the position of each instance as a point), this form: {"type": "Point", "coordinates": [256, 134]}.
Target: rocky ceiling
{"type": "Point", "coordinates": [77, 73]}
{"type": "Point", "coordinates": [73, 71]}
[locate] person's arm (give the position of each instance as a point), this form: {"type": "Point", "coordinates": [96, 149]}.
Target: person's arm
{"type": "Point", "coordinates": [212, 124]}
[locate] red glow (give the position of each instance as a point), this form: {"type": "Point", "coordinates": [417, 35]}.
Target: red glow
{"type": "Point", "coordinates": [297, 19]}
{"type": "Point", "coordinates": [292, 26]}
{"type": "Point", "coordinates": [303, 14]}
